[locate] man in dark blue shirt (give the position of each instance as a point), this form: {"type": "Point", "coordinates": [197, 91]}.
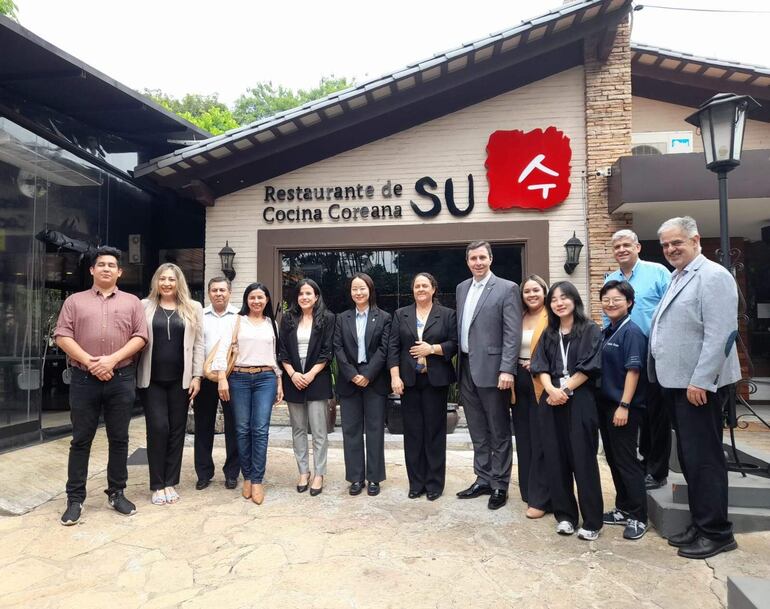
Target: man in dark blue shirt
{"type": "Point", "coordinates": [621, 406]}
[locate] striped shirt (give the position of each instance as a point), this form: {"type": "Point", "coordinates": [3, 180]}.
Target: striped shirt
{"type": "Point", "coordinates": [101, 325]}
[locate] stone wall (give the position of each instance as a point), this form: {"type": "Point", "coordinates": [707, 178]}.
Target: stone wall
{"type": "Point", "coordinates": [608, 136]}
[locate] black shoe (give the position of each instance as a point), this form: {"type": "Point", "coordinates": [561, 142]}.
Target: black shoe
{"type": "Point", "coordinates": [314, 492]}
{"type": "Point", "coordinates": [706, 548]}
{"type": "Point", "coordinates": [685, 538]}
{"type": "Point", "coordinates": [122, 505]}
{"type": "Point", "coordinates": [651, 483]}
{"type": "Point", "coordinates": [373, 489]}
{"type": "Point", "coordinates": [72, 514]}
{"type": "Point", "coordinates": [474, 490]}
{"type": "Point", "coordinates": [301, 488]}
{"type": "Point", "coordinates": [433, 495]}
{"type": "Point", "coordinates": [416, 494]}
{"type": "Point", "coordinates": [201, 484]}
{"type": "Point", "coordinates": [356, 488]}
{"type": "Point", "coordinates": [498, 499]}
{"type": "Point", "coordinates": [231, 483]}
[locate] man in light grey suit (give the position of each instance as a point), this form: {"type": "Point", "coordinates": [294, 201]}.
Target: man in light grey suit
{"type": "Point", "coordinates": [489, 336]}
{"type": "Point", "coordinates": [692, 355]}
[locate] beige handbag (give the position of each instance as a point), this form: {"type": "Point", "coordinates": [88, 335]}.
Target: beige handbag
{"type": "Point", "coordinates": [232, 354]}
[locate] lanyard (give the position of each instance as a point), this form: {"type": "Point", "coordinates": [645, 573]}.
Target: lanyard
{"type": "Point", "coordinates": [625, 321]}
{"type": "Point", "coordinates": [564, 354]}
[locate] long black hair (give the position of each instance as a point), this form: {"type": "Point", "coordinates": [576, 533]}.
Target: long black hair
{"type": "Point", "coordinates": [268, 310]}
{"type": "Point", "coordinates": [369, 284]}
{"type": "Point", "coordinates": [294, 313]}
{"type": "Point", "coordinates": [580, 321]}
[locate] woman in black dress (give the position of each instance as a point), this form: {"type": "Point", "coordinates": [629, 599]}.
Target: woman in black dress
{"type": "Point", "coordinates": [568, 361]}
{"type": "Point", "coordinates": [423, 339]}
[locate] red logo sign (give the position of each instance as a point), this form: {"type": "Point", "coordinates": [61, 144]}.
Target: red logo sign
{"type": "Point", "coordinates": [529, 170]}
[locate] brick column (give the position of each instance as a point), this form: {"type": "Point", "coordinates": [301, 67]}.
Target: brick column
{"type": "Point", "coordinates": [608, 136]}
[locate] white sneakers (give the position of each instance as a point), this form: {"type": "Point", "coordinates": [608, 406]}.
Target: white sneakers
{"type": "Point", "coordinates": [565, 528]}
{"type": "Point", "coordinates": [588, 534]}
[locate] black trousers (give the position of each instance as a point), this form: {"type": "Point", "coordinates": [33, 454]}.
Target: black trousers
{"type": "Point", "coordinates": [205, 412]}
{"type": "Point", "coordinates": [165, 412]}
{"type": "Point", "coordinates": [488, 413]}
{"type": "Point", "coordinates": [655, 434]}
{"type": "Point", "coordinates": [699, 447]}
{"type": "Point", "coordinates": [424, 413]}
{"type": "Point", "coordinates": [571, 441]}
{"type": "Point", "coordinates": [626, 468]}
{"type": "Point", "coordinates": [88, 398]}
{"type": "Point", "coordinates": [364, 411]}
{"type": "Point", "coordinates": [533, 479]}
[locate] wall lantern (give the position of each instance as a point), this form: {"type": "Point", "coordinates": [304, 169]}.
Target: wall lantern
{"type": "Point", "coordinates": [722, 120]}
{"type": "Point", "coordinates": [573, 247]}
{"type": "Point", "coordinates": [226, 255]}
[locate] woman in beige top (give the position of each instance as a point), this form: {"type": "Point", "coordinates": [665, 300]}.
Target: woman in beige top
{"type": "Point", "coordinates": [254, 385]}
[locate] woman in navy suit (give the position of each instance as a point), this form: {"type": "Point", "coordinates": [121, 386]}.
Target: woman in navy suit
{"type": "Point", "coordinates": [360, 346]}
{"type": "Point", "coordinates": [423, 339]}
{"type": "Point", "coordinates": [305, 352]}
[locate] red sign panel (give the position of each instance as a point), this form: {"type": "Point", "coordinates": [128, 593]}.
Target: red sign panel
{"type": "Point", "coordinates": [529, 170]}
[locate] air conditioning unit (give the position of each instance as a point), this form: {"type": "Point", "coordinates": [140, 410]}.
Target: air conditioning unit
{"type": "Point", "coordinates": [661, 142]}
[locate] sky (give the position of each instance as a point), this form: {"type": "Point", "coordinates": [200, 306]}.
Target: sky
{"type": "Point", "coordinates": [224, 47]}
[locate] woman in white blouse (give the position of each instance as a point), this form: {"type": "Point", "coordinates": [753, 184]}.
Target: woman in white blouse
{"type": "Point", "coordinates": [254, 385]}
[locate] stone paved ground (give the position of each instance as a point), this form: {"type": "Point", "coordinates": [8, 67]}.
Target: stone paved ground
{"type": "Point", "coordinates": [215, 550]}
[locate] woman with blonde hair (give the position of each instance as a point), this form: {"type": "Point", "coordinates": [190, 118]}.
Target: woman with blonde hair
{"type": "Point", "coordinates": [170, 369]}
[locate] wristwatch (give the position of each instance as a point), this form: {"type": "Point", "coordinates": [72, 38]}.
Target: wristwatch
{"type": "Point", "coordinates": [567, 391]}
{"type": "Point", "coordinates": [624, 405]}
{"type": "Point", "coordinates": [433, 349]}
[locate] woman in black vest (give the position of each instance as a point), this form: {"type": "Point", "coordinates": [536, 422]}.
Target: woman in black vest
{"type": "Point", "coordinates": [423, 339]}
{"type": "Point", "coordinates": [361, 348]}
{"type": "Point", "coordinates": [305, 352]}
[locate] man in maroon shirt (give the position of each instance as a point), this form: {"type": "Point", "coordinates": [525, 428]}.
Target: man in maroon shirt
{"type": "Point", "coordinates": [101, 330]}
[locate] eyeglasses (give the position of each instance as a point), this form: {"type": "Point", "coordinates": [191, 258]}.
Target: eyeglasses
{"type": "Point", "coordinates": [665, 245]}
{"type": "Point", "coordinates": [613, 301]}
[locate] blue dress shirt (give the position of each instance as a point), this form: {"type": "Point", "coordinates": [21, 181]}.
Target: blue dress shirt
{"type": "Point", "coordinates": [361, 318]}
{"type": "Point", "coordinates": [650, 281]}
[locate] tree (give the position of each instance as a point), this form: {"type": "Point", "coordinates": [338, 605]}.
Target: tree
{"type": "Point", "coordinates": [265, 99]}
{"type": "Point", "coordinates": [9, 9]}
{"type": "Point", "coordinates": [205, 111]}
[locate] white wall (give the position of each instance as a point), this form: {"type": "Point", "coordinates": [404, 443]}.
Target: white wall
{"type": "Point", "coordinates": [649, 115]}
{"type": "Point", "coordinates": [450, 146]}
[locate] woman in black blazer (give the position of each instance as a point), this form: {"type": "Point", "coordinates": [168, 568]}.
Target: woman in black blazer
{"type": "Point", "coordinates": [423, 339]}
{"type": "Point", "coordinates": [360, 346]}
{"type": "Point", "coordinates": [305, 353]}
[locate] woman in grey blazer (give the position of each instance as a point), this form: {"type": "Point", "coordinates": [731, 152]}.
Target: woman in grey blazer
{"type": "Point", "coordinates": [170, 370]}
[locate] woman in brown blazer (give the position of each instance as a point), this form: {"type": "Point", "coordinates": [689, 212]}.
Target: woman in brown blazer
{"type": "Point", "coordinates": [170, 368]}
{"type": "Point", "coordinates": [533, 481]}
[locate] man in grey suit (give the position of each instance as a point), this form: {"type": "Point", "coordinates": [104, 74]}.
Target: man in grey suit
{"type": "Point", "coordinates": [692, 355]}
{"type": "Point", "coordinates": [489, 336]}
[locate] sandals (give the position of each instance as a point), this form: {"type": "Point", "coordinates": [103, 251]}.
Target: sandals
{"type": "Point", "coordinates": [158, 498]}
{"type": "Point", "coordinates": [171, 495]}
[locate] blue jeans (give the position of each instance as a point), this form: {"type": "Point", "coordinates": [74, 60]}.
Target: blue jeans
{"type": "Point", "coordinates": [251, 398]}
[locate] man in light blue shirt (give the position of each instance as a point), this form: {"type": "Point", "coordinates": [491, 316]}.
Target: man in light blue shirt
{"type": "Point", "coordinates": [650, 281]}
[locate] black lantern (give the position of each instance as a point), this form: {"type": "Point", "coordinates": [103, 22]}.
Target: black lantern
{"type": "Point", "coordinates": [226, 255]}
{"type": "Point", "coordinates": [721, 121]}
{"type": "Point", "coordinates": [573, 247]}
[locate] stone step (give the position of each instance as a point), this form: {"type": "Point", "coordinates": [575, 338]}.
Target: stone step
{"type": "Point", "coordinates": [751, 491]}
{"type": "Point", "coordinates": [748, 593]}
{"type": "Point", "coordinates": [670, 517]}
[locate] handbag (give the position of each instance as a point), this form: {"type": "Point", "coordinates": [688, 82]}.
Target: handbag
{"type": "Point", "coordinates": [232, 354]}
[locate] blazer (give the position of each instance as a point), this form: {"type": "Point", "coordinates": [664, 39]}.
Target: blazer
{"type": "Point", "coordinates": [193, 348]}
{"type": "Point", "coordinates": [346, 351]}
{"type": "Point", "coordinates": [440, 328]}
{"type": "Point", "coordinates": [694, 329]}
{"type": "Point", "coordinates": [319, 350]}
{"type": "Point", "coordinates": [542, 324]}
{"type": "Point", "coordinates": [494, 337]}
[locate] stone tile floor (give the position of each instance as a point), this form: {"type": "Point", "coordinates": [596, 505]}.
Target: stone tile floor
{"type": "Point", "coordinates": [213, 549]}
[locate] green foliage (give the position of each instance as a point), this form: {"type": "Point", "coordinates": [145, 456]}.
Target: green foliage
{"type": "Point", "coordinates": [9, 9]}
{"type": "Point", "coordinates": [205, 111]}
{"type": "Point", "coordinates": [266, 99]}
{"type": "Point", "coordinates": [260, 101]}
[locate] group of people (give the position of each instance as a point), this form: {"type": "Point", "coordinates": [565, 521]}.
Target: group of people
{"type": "Point", "coordinates": [530, 353]}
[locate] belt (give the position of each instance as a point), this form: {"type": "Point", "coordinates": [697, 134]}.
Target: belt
{"type": "Point", "coordinates": [253, 369]}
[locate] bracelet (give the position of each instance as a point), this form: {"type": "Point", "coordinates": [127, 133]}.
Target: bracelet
{"type": "Point", "coordinates": [292, 375]}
